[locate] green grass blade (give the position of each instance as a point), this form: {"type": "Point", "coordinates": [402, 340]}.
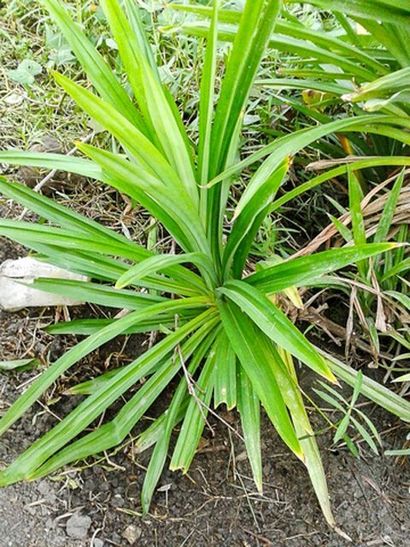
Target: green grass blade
{"type": "Point", "coordinates": [86, 327]}
{"type": "Point", "coordinates": [58, 242]}
{"type": "Point", "coordinates": [256, 24]}
{"type": "Point", "coordinates": [48, 235]}
{"type": "Point", "coordinates": [389, 210]}
{"type": "Point", "coordinates": [274, 323]}
{"type": "Point", "coordinates": [92, 386]}
{"type": "Point", "coordinates": [255, 359]}
{"type": "Point", "coordinates": [132, 55]}
{"type": "Point", "coordinates": [400, 297]}
{"type": "Point", "coordinates": [372, 390]}
{"type": "Point", "coordinates": [358, 163]}
{"type": "Point", "coordinates": [365, 435]}
{"type": "Point", "coordinates": [39, 386]}
{"type": "Point", "coordinates": [45, 447]}
{"type": "Point", "coordinates": [206, 108]}
{"type": "Point", "coordinates": [400, 267]}
{"type": "Point", "coordinates": [142, 150]}
{"type": "Point", "coordinates": [133, 15]}
{"type": "Point", "coordinates": [18, 364]}
{"type": "Point", "coordinates": [50, 210]}
{"type": "Point", "coordinates": [285, 370]}
{"type": "Point", "coordinates": [225, 373]}
{"type": "Point", "coordinates": [248, 219]}
{"type": "Point", "coordinates": [304, 49]}
{"type": "Point", "coordinates": [155, 431]}
{"type": "Point", "coordinates": [195, 417]}
{"type": "Point", "coordinates": [151, 97]}
{"type": "Point", "coordinates": [107, 296]}
{"type": "Point", "coordinates": [47, 160]}
{"type": "Point", "coordinates": [249, 410]}
{"type": "Point", "coordinates": [159, 263]}
{"type": "Point", "coordinates": [158, 458]}
{"type": "Point", "coordinates": [308, 269]}
{"type": "Point", "coordinates": [355, 199]}
{"type": "Point", "coordinates": [394, 11]}
{"type": "Point", "coordinates": [289, 145]}
{"type": "Point", "coordinates": [169, 204]}
{"type": "Point", "coordinates": [93, 63]}
{"type": "Point", "coordinates": [97, 294]}
{"type": "Point", "coordinates": [113, 433]}
{"type": "Point", "coordinates": [358, 227]}
{"type": "Point", "coordinates": [295, 29]}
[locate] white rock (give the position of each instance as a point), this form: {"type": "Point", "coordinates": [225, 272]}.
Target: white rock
{"type": "Point", "coordinates": [132, 534]}
{"type": "Point", "coordinates": [14, 295]}
{"type": "Point", "coordinates": [14, 99]}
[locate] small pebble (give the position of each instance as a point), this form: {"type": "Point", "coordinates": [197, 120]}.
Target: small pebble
{"type": "Point", "coordinates": [77, 526]}
{"type": "Point", "coordinates": [132, 534]}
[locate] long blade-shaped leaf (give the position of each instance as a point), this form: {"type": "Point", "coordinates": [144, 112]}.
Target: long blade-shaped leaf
{"type": "Point", "coordinates": [133, 140]}
{"type": "Point", "coordinates": [274, 323]}
{"type": "Point", "coordinates": [388, 211]}
{"type": "Point", "coordinates": [67, 218]}
{"type": "Point", "coordinates": [249, 409]}
{"type": "Point", "coordinates": [358, 162]}
{"type": "Point", "coordinates": [256, 24]}
{"type": "Point", "coordinates": [371, 389]}
{"type": "Point", "coordinates": [152, 98]}
{"type": "Point", "coordinates": [394, 11]}
{"type": "Point", "coordinates": [170, 204]}
{"type": "Point", "coordinates": [225, 373]}
{"type": "Point", "coordinates": [172, 416]}
{"type": "Point", "coordinates": [160, 263]}
{"type": "Point", "coordinates": [195, 417]}
{"type": "Point", "coordinates": [94, 405]}
{"type": "Point", "coordinates": [293, 30]}
{"type": "Point", "coordinates": [39, 386]}
{"type": "Point", "coordinates": [289, 145]}
{"type": "Point", "coordinates": [115, 431]}
{"type": "Point", "coordinates": [206, 108]}
{"type": "Point", "coordinates": [248, 221]}
{"type": "Point", "coordinates": [93, 63]}
{"type": "Point", "coordinates": [308, 269]}
{"type": "Point", "coordinates": [255, 360]}
{"type": "Point", "coordinates": [303, 429]}
{"type": "Point", "coordinates": [47, 160]}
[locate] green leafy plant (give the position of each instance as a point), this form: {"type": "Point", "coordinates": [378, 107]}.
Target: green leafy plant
{"type": "Point", "coordinates": [226, 338]}
{"type": "Point", "coordinates": [362, 64]}
{"type": "Point", "coordinates": [26, 72]}
{"type": "Point", "coordinates": [406, 450]}
{"type": "Point", "coordinates": [383, 290]}
{"type": "Point", "coordinates": [20, 364]}
{"type": "Point", "coordinates": [353, 418]}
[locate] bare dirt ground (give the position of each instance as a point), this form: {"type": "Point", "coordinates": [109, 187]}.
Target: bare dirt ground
{"type": "Point", "coordinates": [214, 505]}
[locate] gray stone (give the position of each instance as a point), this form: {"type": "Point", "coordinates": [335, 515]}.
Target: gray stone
{"type": "Point", "coordinates": [77, 526]}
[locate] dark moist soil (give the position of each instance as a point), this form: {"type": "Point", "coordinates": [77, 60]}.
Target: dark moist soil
{"type": "Point", "coordinates": [215, 504]}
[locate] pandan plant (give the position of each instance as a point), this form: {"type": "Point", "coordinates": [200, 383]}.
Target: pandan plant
{"type": "Point", "coordinates": [227, 341]}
